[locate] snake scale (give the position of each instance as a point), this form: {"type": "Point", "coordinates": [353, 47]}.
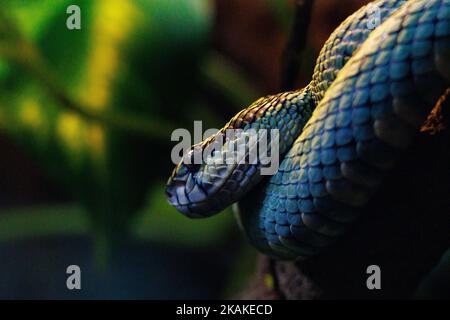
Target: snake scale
{"type": "Point", "coordinates": [339, 136]}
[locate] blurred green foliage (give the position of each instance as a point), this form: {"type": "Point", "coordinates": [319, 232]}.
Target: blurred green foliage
{"type": "Point", "coordinates": [95, 108]}
{"type": "Point", "coordinates": [132, 61]}
{"type": "Point", "coordinates": [156, 222]}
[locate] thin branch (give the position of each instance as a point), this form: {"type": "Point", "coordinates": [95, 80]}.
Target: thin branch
{"type": "Point", "coordinates": [226, 84]}
{"type": "Point", "coordinates": [292, 55]}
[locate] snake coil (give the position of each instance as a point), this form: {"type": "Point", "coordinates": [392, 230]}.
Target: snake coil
{"type": "Point", "coordinates": [371, 90]}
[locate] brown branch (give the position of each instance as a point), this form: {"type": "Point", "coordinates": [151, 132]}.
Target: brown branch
{"type": "Point", "coordinates": [292, 55]}
{"type": "Point", "coordinates": [438, 120]}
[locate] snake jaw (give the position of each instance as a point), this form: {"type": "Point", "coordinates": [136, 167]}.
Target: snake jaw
{"type": "Point", "coordinates": [182, 191]}
{"type": "Point", "coordinates": [193, 189]}
{"type": "Point", "coordinates": [197, 193]}
{"type": "Point", "coordinates": [225, 174]}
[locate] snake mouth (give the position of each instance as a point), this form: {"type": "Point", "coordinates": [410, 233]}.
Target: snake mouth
{"type": "Point", "coordinates": [184, 194]}
{"type": "Point", "coordinates": [228, 166]}
{"type": "Point", "coordinates": [192, 189]}
{"type": "Point", "coordinates": [197, 199]}
{"type": "Point", "coordinates": [172, 198]}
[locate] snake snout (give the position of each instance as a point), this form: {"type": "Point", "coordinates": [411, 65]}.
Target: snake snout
{"type": "Point", "coordinates": [173, 190]}
{"type": "Point", "coordinates": [184, 193]}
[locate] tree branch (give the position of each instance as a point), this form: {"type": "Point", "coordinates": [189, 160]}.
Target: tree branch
{"type": "Point", "coordinates": [292, 55]}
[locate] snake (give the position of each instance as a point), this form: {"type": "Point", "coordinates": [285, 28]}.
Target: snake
{"type": "Point", "coordinates": [338, 138]}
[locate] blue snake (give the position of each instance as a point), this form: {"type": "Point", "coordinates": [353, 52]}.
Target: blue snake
{"type": "Point", "coordinates": [371, 90]}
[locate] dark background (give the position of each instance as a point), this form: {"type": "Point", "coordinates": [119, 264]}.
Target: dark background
{"type": "Point", "coordinates": [76, 190]}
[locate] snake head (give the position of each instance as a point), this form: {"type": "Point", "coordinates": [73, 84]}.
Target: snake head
{"type": "Point", "coordinates": [205, 181]}
{"type": "Point", "coordinates": [181, 190]}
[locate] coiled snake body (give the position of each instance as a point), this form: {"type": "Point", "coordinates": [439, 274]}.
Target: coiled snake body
{"type": "Point", "coordinates": [369, 95]}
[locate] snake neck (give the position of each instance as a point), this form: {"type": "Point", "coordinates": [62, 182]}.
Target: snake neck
{"type": "Point", "coordinates": [291, 114]}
